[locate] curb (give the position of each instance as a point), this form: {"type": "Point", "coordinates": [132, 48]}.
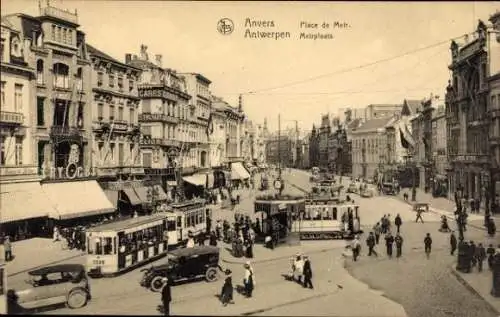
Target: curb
{"type": "Point", "coordinates": [471, 289]}
{"type": "Point", "coordinates": [272, 259]}
{"type": "Point", "coordinates": [46, 264]}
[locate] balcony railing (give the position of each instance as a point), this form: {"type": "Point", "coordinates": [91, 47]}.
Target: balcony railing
{"type": "Point", "coordinates": [60, 14]}
{"type": "Point", "coordinates": [64, 131]}
{"type": "Point", "coordinates": [18, 170]}
{"type": "Point", "coordinates": [155, 117]}
{"type": "Point", "coordinates": [13, 118]}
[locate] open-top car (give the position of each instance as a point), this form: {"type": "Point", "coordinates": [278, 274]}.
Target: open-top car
{"type": "Point", "coordinates": [184, 264]}
{"type": "Point", "coordinates": [56, 284]}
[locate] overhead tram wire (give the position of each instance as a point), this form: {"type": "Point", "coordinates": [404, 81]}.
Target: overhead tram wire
{"type": "Point", "coordinates": [350, 69]}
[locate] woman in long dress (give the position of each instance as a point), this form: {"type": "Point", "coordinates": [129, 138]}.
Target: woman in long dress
{"type": "Point", "coordinates": [227, 289]}
{"type": "Point", "coordinates": [248, 280]}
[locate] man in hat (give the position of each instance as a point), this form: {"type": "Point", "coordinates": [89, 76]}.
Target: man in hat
{"type": "Point", "coordinates": [227, 289]}
{"type": "Point", "coordinates": [248, 280]}
{"type": "Point", "coordinates": [166, 296]}
{"type": "Point", "coordinates": [307, 273]}
{"type": "Point", "coordinates": [7, 246]}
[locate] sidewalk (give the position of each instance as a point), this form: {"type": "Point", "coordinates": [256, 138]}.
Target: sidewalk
{"type": "Point", "coordinates": [32, 253]}
{"type": "Point", "coordinates": [480, 284]}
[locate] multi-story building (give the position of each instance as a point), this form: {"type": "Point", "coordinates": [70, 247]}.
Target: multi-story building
{"type": "Point", "coordinates": [163, 115]}
{"type": "Point", "coordinates": [305, 161]}
{"type": "Point", "coordinates": [369, 147]}
{"type": "Point", "coordinates": [116, 153]}
{"type": "Point", "coordinates": [198, 86]}
{"type": "Point", "coordinates": [247, 142]}
{"type": "Point", "coordinates": [60, 120]}
{"type": "Point", "coordinates": [279, 151]}
{"type": "Point", "coordinates": [218, 136]}
{"type": "Point", "coordinates": [494, 106]}
{"type": "Point", "coordinates": [467, 114]}
{"type": "Point", "coordinates": [440, 178]}
{"type": "Point", "coordinates": [260, 143]}
{"type": "Point", "coordinates": [314, 147]}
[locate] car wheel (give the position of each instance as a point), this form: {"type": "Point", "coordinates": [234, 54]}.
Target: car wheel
{"type": "Point", "coordinates": [157, 284]}
{"type": "Point", "coordinates": [211, 274]}
{"type": "Point", "coordinates": [77, 299]}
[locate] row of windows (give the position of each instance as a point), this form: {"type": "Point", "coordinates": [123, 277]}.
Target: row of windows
{"type": "Point", "coordinates": [18, 96]}
{"type": "Point", "coordinates": [118, 152]}
{"type": "Point", "coordinates": [62, 34]}
{"type": "Point", "coordinates": [194, 218]}
{"type": "Point", "coordinates": [115, 113]}
{"type": "Point", "coordinates": [114, 80]}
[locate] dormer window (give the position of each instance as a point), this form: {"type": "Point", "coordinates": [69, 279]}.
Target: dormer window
{"type": "Point", "coordinates": [16, 47]}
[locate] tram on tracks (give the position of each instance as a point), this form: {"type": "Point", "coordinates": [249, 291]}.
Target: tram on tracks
{"type": "Point", "coordinates": [120, 246]}
{"type": "Point", "coordinates": [3, 289]}
{"type": "Point", "coordinates": [327, 218]}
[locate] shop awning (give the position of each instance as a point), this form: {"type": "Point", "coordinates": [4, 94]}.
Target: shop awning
{"type": "Point", "coordinates": [142, 193]}
{"type": "Point", "coordinates": [112, 196]}
{"type": "Point", "coordinates": [19, 201]}
{"type": "Point", "coordinates": [238, 171]}
{"type": "Point", "coordinates": [77, 199]}
{"type": "Point", "coordinates": [132, 196]}
{"type": "Point", "coordinates": [196, 179]}
{"type": "Point", "coordinates": [160, 193]}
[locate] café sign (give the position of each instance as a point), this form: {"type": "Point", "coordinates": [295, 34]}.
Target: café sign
{"type": "Point", "coordinates": [71, 171]}
{"type": "Point", "coordinates": [156, 93]}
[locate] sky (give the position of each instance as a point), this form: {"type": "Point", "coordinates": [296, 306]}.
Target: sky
{"type": "Point", "coordinates": [298, 79]}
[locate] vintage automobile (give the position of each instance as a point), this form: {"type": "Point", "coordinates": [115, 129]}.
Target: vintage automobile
{"type": "Point", "coordinates": [422, 206]}
{"type": "Point", "coordinates": [57, 284]}
{"type": "Point", "coordinates": [184, 264]}
{"type": "Point", "coordinates": [367, 193]}
{"type": "Point", "coordinates": [353, 188]}
{"type": "Point", "coordinates": [389, 189]}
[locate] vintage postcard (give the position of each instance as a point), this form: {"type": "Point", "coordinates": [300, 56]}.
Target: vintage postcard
{"type": "Point", "coordinates": [250, 158]}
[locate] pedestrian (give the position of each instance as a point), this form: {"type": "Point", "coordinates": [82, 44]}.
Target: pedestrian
{"type": "Point", "coordinates": [378, 231]}
{"type": "Point", "coordinates": [227, 289]}
{"type": "Point", "coordinates": [453, 242]}
{"type": "Point", "coordinates": [398, 222]}
{"type": "Point", "coordinates": [473, 247]}
{"type": "Point", "coordinates": [201, 238]}
{"type": "Point", "coordinates": [307, 273]}
{"type": "Point", "coordinates": [213, 239]}
{"type": "Point", "coordinates": [420, 210]}
{"type": "Point", "coordinates": [190, 241]}
{"type": "Point", "coordinates": [56, 235]}
{"type": "Point", "coordinates": [299, 267]}
{"type": "Point", "coordinates": [428, 244]}
{"type": "Point", "coordinates": [389, 241]}
{"type": "Point", "coordinates": [166, 296]}
{"type": "Point", "coordinates": [356, 248]}
{"type": "Point", "coordinates": [7, 245]}
{"type": "Point", "coordinates": [218, 230]}
{"type": "Point", "coordinates": [480, 256]}
{"type": "Point", "coordinates": [370, 242]}
{"type": "Point", "coordinates": [248, 280]}
{"type": "Point", "coordinates": [399, 244]}
{"type": "Point", "coordinates": [388, 222]}
{"type": "Point", "coordinates": [249, 248]}
{"type": "Point", "coordinates": [383, 224]}
{"type": "Point", "coordinates": [490, 252]}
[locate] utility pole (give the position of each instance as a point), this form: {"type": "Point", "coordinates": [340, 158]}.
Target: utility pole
{"type": "Point", "coordinates": [279, 146]}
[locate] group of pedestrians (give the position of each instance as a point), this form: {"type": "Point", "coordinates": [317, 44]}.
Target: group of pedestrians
{"type": "Point", "coordinates": [301, 271]}
{"type": "Point", "coordinates": [226, 296]}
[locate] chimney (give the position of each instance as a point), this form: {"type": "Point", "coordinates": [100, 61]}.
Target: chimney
{"type": "Point", "coordinates": [128, 58]}
{"type": "Point", "coordinates": [158, 58]}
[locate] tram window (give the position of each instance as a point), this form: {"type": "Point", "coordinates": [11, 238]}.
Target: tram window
{"type": "Point", "coordinates": [90, 246]}
{"type": "Point", "coordinates": [2, 286]}
{"type": "Point", "coordinates": [179, 221]}
{"type": "Point", "coordinates": [334, 213]}
{"type": "Point", "coordinates": [171, 225]}
{"type": "Point", "coordinates": [98, 246]}
{"type": "Point", "coordinates": [318, 214]}
{"type": "Point", "coordinates": [107, 246]}
{"type": "Point", "coordinates": [326, 214]}
{"type": "Point", "coordinates": [115, 247]}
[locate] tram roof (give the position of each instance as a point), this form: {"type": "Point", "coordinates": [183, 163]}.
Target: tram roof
{"type": "Point", "coordinates": [128, 223]}
{"type": "Point", "coordinates": [197, 250]}
{"type": "Point", "coordinates": [187, 203]}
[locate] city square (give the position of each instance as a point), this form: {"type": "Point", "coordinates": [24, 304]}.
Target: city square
{"type": "Point", "coordinates": [188, 173]}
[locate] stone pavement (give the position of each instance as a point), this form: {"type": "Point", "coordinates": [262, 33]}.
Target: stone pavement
{"type": "Point", "coordinates": [32, 253]}
{"type": "Point", "coordinates": [479, 283]}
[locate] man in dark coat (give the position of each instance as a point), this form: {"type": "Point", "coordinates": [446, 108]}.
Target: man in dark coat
{"type": "Point", "coordinates": [453, 242]}
{"type": "Point", "coordinates": [370, 242]}
{"type": "Point", "coordinates": [398, 222]}
{"type": "Point", "coordinates": [480, 256]}
{"type": "Point", "coordinates": [227, 289]}
{"type": "Point", "coordinates": [213, 239]}
{"type": "Point", "coordinates": [389, 240]}
{"type": "Point", "coordinates": [490, 252]}
{"type": "Point", "coordinates": [428, 244]}
{"type": "Point", "coordinates": [307, 272]}
{"type": "Point", "coordinates": [166, 296]}
{"type": "Point", "coordinates": [472, 247]}
{"type": "Point", "coordinates": [399, 244]}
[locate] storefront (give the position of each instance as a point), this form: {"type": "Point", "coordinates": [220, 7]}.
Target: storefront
{"type": "Point", "coordinates": [24, 210]}
{"type": "Point", "coordinates": [239, 173]}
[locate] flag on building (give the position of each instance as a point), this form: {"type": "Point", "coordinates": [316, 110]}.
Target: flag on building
{"type": "Point", "coordinates": [407, 140]}
{"type": "Point", "coordinates": [210, 125]}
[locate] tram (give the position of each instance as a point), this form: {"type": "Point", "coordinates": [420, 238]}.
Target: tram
{"type": "Point", "coordinates": [325, 218]}
{"type": "Point", "coordinates": [3, 289]}
{"type": "Point", "coordinates": [191, 218]}
{"type": "Point", "coordinates": [119, 246]}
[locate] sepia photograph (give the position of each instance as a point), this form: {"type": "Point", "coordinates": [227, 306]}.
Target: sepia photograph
{"type": "Point", "coordinates": [253, 158]}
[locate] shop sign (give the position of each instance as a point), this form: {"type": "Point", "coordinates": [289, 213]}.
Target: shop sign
{"type": "Point", "coordinates": [156, 93]}
{"type": "Point", "coordinates": [14, 170]}
{"type": "Point", "coordinates": [71, 171]}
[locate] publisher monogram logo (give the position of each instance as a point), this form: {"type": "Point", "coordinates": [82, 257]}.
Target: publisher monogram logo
{"type": "Point", "coordinates": [225, 26]}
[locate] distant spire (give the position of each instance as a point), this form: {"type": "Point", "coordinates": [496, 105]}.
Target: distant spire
{"type": "Point", "coordinates": [240, 103]}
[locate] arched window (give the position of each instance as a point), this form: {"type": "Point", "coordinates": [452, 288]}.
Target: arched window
{"type": "Point", "coordinates": [61, 75]}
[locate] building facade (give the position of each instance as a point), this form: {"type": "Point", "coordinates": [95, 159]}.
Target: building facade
{"type": "Point", "coordinates": [260, 143]}
{"type": "Point", "coordinates": [466, 111]}
{"type": "Point", "coordinates": [324, 136]}
{"type": "Point", "coordinates": [381, 110]}
{"type": "Point", "coordinates": [218, 136]}
{"type": "Point", "coordinates": [279, 151]}
{"type": "Point", "coordinates": [494, 104]}
{"type": "Point", "coordinates": [314, 147]}
{"type": "Point", "coordinates": [369, 148]}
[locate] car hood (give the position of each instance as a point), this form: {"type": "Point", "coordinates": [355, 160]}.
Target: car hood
{"type": "Point", "coordinates": [162, 267]}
